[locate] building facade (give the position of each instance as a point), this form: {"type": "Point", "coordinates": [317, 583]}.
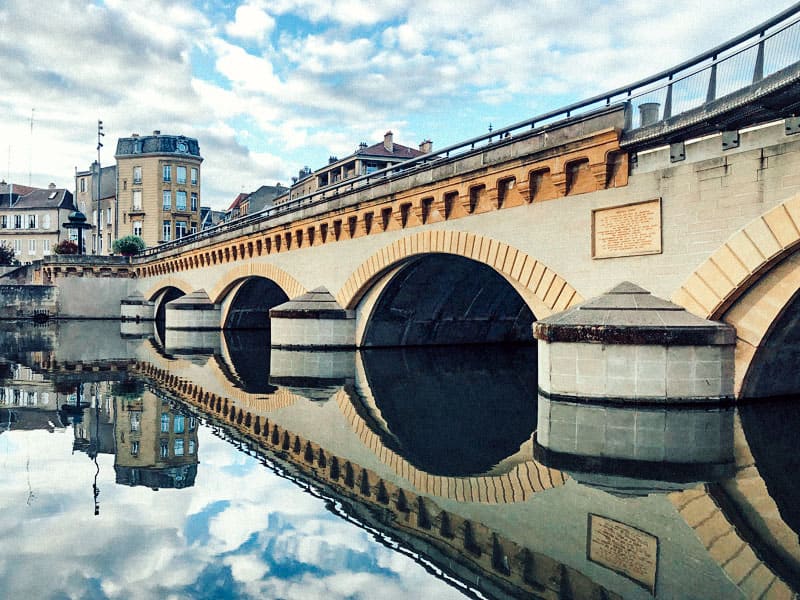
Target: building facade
{"type": "Point", "coordinates": [31, 222]}
{"type": "Point", "coordinates": [86, 200]}
{"type": "Point", "coordinates": [365, 160]}
{"type": "Point", "coordinates": [158, 186]}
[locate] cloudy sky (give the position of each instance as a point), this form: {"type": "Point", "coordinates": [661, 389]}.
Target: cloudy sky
{"type": "Point", "coordinates": [269, 86]}
{"type": "Point", "coordinates": [240, 532]}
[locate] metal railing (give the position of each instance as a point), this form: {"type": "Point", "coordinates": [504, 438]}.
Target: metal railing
{"type": "Point", "coordinates": [730, 67]}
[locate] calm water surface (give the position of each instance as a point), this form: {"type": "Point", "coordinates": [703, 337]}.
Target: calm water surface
{"type": "Point", "coordinates": [135, 465]}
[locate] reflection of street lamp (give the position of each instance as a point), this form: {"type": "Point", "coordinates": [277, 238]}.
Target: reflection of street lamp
{"type": "Point", "coordinates": [77, 220]}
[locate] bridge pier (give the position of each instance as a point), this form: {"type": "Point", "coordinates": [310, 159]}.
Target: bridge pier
{"type": "Point", "coordinates": [313, 320]}
{"type": "Point", "coordinates": [136, 308]}
{"type": "Point", "coordinates": [629, 347]}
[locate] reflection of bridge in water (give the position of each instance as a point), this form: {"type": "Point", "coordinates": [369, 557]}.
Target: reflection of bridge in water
{"type": "Point", "coordinates": [347, 444]}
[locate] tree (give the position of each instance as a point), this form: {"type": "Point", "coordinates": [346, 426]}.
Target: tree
{"type": "Point", "coordinates": [66, 247]}
{"type": "Point", "coordinates": [7, 255]}
{"type": "Point", "coordinates": [128, 245]}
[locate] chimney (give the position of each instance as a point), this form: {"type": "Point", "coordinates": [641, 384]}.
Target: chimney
{"type": "Point", "coordinates": [387, 141]}
{"type": "Point", "coordinates": [156, 132]}
{"type": "Point", "coordinates": [52, 186]}
{"type": "Point", "coordinates": [426, 146]}
{"type": "Point", "coordinates": [134, 135]}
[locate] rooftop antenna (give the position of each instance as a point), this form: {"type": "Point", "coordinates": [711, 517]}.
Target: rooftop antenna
{"type": "Point", "coordinates": [30, 152]}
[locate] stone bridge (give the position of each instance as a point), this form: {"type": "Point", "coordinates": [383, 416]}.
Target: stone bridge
{"type": "Point", "coordinates": [695, 199]}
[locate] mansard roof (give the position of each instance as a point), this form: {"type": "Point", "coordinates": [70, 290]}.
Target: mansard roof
{"type": "Point", "coordinates": [179, 145]}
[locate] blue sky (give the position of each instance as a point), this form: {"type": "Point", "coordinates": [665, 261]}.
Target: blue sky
{"type": "Point", "coordinates": [269, 86]}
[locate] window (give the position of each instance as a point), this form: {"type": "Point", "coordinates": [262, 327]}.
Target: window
{"type": "Point", "coordinates": [180, 229]}
{"type": "Point", "coordinates": [94, 217]}
{"type": "Point", "coordinates": [31, 221]}
{"type": "Point", "coordinates": [31, 247]}
{"type": "Point", "coordinates": [137, 174]}
{"type": "Point", "coordinates": [193, 228]}
{"type": "Point", "coordinates": [137, 199]}
{"type": "Point", "coordinates": [194, 176]}
{"type": "Point", "coordinates": [3, 221]}
{"type": "Point", "coordinates": [17, 221]}
{"type": "Point", "coordinates": [191, 446]}
{"type": "Point", "coordinates": [180, 200]}
{"type": "Point", "coordinates": [73, 235]}
{"type": "Point", "coordinates": [167, 200]}
{"type": "Point", "coordinates": [167, 169]}
{"type": "Point", "coordinates": [46, 221]}
{"type": "Point", "coordinates": [83, 184]}
{"type": "Point", "coordinates": [194, 201]}
{"type": "Point", "coordinates": [108, 215]}
{"type": "Point", "coordinates": [135, 448]}
{"type": "Point", "coordinates": [178, 447]}
{"type": "Point", "coordinates": [17, 246]}
{"type": "Point", "coordinates": [181, 174]}
{"type": "Point", "coordinates": [164, 422]}
{"type": "Point", "coordinates": [45, 247]}
{"type": "Point", "coordinates": [136, 420]}
{"type": "Point", "coordinates": [166, 231]}
{"type": "Point", "coordinates": [137, 228]}
{"type": "Point", "coordinates": [192, 423]}
{"type": "Point", "coordinates": [164, 444]}
{"type": "Point", "coordinates": [178, 424]}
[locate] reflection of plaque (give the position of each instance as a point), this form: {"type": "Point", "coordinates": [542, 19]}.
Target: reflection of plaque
{"type": "Point", "coordinates": [624, 549]}
{"type": "Point", "coordinates": [627, 230]}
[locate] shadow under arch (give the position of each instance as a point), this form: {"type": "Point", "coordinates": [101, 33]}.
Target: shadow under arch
{"type": "Point", "coordinates": [750, 282]}
{"type": "Point", "coordinates": [450, 287]}
{"type": "Point", "coordinates": [542, 289]}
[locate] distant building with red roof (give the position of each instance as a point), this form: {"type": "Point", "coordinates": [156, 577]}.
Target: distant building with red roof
{"type": "Point", "coordinates": [365, 160]}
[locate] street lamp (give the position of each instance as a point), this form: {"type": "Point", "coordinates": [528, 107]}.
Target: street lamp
{"type": "Point", "coordinates": [77, 220]}
{"type": "Point", "coordinates": [99, 243]}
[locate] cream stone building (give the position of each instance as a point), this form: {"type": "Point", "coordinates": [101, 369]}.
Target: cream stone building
{"type": "Point", "coordinates": [158, 186]}
{"type": "Point", "coordinates": [31, 219]}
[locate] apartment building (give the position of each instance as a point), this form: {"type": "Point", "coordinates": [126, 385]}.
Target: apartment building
{"type": "Point", "coordinates": [158, 186]}
{"type": "Point", "coordinates": [31, 219]}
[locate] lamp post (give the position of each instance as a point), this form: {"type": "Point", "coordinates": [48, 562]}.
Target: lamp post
{"type": "Point", "coordinates": [77, 220]}
{"type": "Point", "coordinates": [99, 243]}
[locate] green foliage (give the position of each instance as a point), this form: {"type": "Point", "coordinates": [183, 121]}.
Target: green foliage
{"type": "Point", "coordinates": [128, 245]}
{"type": "Point", "coordinates": [66, 247]}
{"type": "Point", "coordinates": [7, 257]}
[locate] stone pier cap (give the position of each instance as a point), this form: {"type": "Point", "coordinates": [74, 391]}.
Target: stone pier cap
{"type": "Point", "coordinates": [629, 314]}
{"type": "Point", "coordinates": [316, 304]}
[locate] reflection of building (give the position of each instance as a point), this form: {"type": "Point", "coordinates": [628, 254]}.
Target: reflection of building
{"type": "Point", "coordinates": [27, 401]}
{"type": "Point", "coordinates": [156, 445]}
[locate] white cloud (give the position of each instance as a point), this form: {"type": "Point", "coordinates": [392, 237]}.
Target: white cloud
{"type": "Point", "coordinates": [251, 23]}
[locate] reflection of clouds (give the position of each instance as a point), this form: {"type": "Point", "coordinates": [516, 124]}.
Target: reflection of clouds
{"type": "Point", "coordinates": [240, 527]}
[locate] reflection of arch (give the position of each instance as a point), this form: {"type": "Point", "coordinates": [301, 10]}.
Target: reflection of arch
{"type": "Point", "coordinates": [737, 521]}
{"type": "Point", "coordinates": [543, 289]}
{"type": "Point", "coordinates": [286, 282]}
{"type": "Point", "coordinates": [165, 371]}
{"type": "Point", "coordinates": [747, 282]}
{"type": "Point", "coordinates": [517, 485]}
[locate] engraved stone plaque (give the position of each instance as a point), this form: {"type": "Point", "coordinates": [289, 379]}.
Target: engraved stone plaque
{"type": "Point", "coordinates": [627, 230]}
{"type": "Point", "coordinates": [624, 549]}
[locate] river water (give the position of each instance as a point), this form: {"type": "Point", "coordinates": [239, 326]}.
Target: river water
{"type": "Point", "coordinates": [134, 466]}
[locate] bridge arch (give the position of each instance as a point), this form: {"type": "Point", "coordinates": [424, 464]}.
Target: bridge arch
{"type": "Point", "coordinates": [540, 289]}
{"type": "Point", "coordinates": [753, 283]}
{"type": "Point", "coordinates": [243, 287]}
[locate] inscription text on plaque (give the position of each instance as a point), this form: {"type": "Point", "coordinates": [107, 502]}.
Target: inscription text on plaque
{"type": "Point", "coordinates": [624, 549]}
{"type": "Point", "coordinates": [627, 230]}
